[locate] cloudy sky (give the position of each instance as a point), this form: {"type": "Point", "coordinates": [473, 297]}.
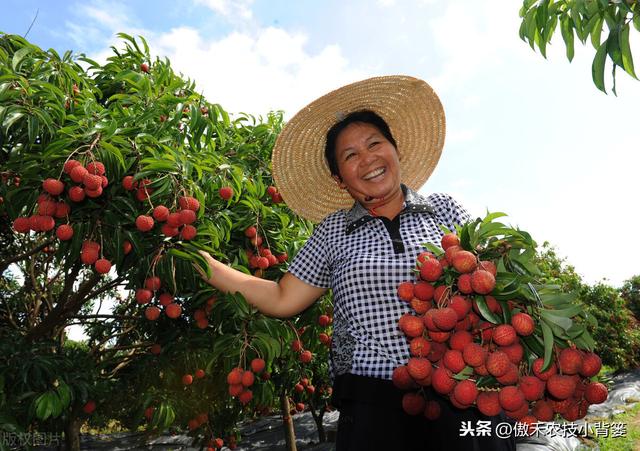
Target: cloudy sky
{"type": "Point", "coordinates": [527, 136]}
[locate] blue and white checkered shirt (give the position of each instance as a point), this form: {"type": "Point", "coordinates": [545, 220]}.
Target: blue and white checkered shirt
{"type": "Point", "coordinates": [363, 259]}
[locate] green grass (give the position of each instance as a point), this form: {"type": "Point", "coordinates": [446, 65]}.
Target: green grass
{"type": "Point", "coordinates": [629, 442]}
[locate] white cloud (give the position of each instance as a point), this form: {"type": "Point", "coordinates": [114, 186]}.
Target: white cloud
{"type": "Point", "coordinates": [255, 73]}
{"type": "Point", "coordinates": [231, 9]}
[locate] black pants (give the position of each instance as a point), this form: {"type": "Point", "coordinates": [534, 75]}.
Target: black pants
{"type": "Point", "coordinates": [371, 419]}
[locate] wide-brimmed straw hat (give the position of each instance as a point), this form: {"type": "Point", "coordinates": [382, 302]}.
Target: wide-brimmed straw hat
{"type": "Point", "coordinates": [408, 105]}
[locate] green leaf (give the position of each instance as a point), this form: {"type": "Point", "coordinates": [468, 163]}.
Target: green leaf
{"type": "Point", "coordinates": [567, 35]}
{"type": "Point", "coordinates": [485, 311]}
{"type": "Point", "coordinates": [597, 68]}
{"type": "Point", "coordinates": [560, 321]}
{"type": "Point", "coordinates": [547, 335]}
{"type": "Point", "coordinates": [16, 61]}
{"type": "Point", "coordinates": [596, 30]}
{"type": "Point", "coordinates": [627, 59]}
{"type": "Point", "coordinates": [613, 46]}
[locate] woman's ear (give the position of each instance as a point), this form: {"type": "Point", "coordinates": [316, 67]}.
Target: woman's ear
{"type": "Point", "coordinates": [339, 181]}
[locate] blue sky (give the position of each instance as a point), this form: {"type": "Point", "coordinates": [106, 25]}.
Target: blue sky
{"type": "Point", "coordinates": [527, 136]}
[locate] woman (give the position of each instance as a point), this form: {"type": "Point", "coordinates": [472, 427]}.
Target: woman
{"type": "Point", "coordinates": [352, 159]}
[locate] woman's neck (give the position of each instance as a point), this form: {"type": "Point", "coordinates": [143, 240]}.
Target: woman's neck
{"type": "Point", "coordinates": [388, 207]}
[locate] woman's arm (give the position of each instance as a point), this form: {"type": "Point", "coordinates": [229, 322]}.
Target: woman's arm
{"type": "Point", "coordinates": [282, 299]}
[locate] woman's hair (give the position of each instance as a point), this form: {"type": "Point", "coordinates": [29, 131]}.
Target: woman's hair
{"type": "Point", "coordinates": [364, 116]}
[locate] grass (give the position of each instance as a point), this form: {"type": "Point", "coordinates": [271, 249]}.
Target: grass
{"type": "Point", "coordinates": [629, 442]}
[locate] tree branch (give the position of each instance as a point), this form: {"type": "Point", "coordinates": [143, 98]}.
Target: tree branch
{"type": "Point", "coordinates": [4, 264]}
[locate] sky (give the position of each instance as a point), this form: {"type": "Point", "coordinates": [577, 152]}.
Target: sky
{"type": "Point", "coordinates": [528, 136]}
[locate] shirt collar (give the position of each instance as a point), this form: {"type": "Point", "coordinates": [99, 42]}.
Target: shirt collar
{"type": "Point", "coordinates": [413, 203]}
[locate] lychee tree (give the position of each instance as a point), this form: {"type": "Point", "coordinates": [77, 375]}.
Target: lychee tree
{"type": "Point", "coordinates": [122, 171]}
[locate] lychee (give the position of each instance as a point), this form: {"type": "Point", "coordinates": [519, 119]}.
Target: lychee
{"type": "Point", "coordinates": [561, 386]}
{"type": "Point", "coordinates": [448, 240]}
{"type": "Point", "coordinates": [482, 282]}
{"type": "Point", "coordinates": [596, 393]}
{"type": "Point", "coordinates": [445, 318]}
{"type": "Point", "coordinates": [431, 270]}
{"type": "Point", "coordinates": [144, 223]}
{"type": "Point", "coordinates": [423, 291]}
{"type": "Point", "coordinates": [488, 403]}
{"type": "Point", "coordinates": [474, 354]}
{"type": "Point", "coordinates": [152, 313]}
{"type": "Point", "coordinates": [532, 388]}
{"type": "Point", "coordinates": [413, 403]}
{"type": "Point", "coordinates": [53, 186]}
{"type": "Point", "coordinates": [465, 392]}
{"type": "Point", "coordinates": [497, 363]}
{"type": "Point", "coordinates": [504, 335]}
{"type": "Point", "coordinates": [143, 296]}
{"type": "Point", "coordinates": [441, 381]}
{"type": "Point", "coordinates": [405, 291]}
{"type": "Point", "coordinates": [570, 361]}
{"type": "Point", "coordinates": [226, 192]}
{"type": "Point", "coordinates": [523, 324]}
{"type": "Point", "coordinates": [591, 364]}
{"type": "Point", "coordinates": [418, 367]}
{"type": "Point", "coordinates": [412, 326]}
{"type": "Point", "coordinates": [103, 265]}
{"type": "Point", "coordinates": [419, 347]}
{"type": "Point", "coordinates": [96, 168]}
{"type": "Point", "coordinates": [511, 398]}
{"type": "Point", "coordinates": [464, 262]}
{"type": "Point", "coordinates": [536, 367]}
{"type": "Point", "coordinates": [64, 232]}
{"type": "Point", "coordinates": [173, 310]}
{"type": "Point", "coordinates": [160, 213]}
{"type": "Point", "coordinates": [188, 232]}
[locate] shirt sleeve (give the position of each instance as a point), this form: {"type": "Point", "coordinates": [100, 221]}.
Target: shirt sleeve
{"type": "Point", "coordinates": [311, 264]}
{"type": "Point", "coordinates": [451, 213]}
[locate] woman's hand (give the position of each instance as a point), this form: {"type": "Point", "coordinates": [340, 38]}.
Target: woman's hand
{"type": "Point", "coordinates": [281, 299]}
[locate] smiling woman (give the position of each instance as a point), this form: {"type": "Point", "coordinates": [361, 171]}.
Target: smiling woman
{"type": "Point", "coordinates": [351, 160]}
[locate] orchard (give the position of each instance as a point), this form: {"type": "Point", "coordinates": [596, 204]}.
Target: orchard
{"type": "Point", "coordinates": [114, 175]}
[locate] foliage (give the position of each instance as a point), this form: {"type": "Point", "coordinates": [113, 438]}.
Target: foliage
{"type": "Point", "coordinates": [614, 329]}
{"type": "Point", "coordinates": [630, 439]}
{"type": "Point", "coordinates": [585, 19]}
{"type": "Point", "coordinates": [140, 119]}
{"type": "Point", "coordinates": [630, 292]}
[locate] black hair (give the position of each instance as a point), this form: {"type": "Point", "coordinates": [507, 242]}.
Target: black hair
{"type": "Point", "coordinates": [365, 116]}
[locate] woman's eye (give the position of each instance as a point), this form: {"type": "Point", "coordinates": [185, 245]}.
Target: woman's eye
{"type": "Point", "coordinates": [374, 143]}
{"type": "Point", "coordinates": [349, 156]}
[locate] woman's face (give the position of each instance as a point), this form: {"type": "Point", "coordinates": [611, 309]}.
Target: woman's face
{"type": "Point", "coordinates": [368, 164]}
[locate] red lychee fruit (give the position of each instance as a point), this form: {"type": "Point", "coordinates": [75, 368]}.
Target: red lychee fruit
{"type": "Point", "coordinates": [153, 283]}
{"type": "Point", "coordinates": [464, 262]}
{"type": "Point", "coordinates": [498, 364]}
{"type": "Point", "coordinates": [536, 367]}
{"type": "Point", "coordinates": [76, 194]}
{"type": "Point", "coordinates": [143, 296]}
{"type": "Point", "coordinates": [570, 360]}
{"type": "Point", "coordinates": [474, 354]}
{"type": "Point", "coordinates": [431, 270]}
{"type": "Point", "coordinates": [306, 356]}
{"type": "Point", "coordinates": [419, 347]}
{"type": "Point", "coordinates": [460, 339]}
{"type": "Point", "coordinates": [461, 305]}
{"type": "Point", "coordinates": [465, 392]}
{"type": "Point", "coordinates": [419, 368]}
{"type": "Point", "coordinates": [126, 247]}
{"type": "Point", "coordinates": [258, 365]}
{"type": "Point", "coordinates": [64, 232]}
{"type": "Point", "coordinates": [187, 379]}
{"type": "Point", "coordinates": [144, 223]}
{"type": "Point", "coordinates": [488, 403]}
{"type": "Point", "coordinates": [591, 364]}
{"type": "Point", "coordinates": [450, 252]}
{"type": "Point", "coordinates": [523, 324]}
{"type": "Point", "coordinates": [128, 183]}
{"type": "Point", "coordinates": [169, 231]}
{"type": "Point", "coordinates": [405, 291]}
{"type": "Point", "coordinates": [515, 352]}
{"type": "Point", "coordinates": [441, 381]}
{"type": "Point", "coordinates": [187, 216]}
{"type": "Point", "coordinates": [248, 378]}
{"type": "Point", "coordinates": [152, 313]}
{"type": "Point", "coordinates": [488, 266]}
{"type": "Point", "coordinates": [518, 413]}
{"type": "Point", "coordinates": [188, 232]}
{"type": "Point", "coordinates": [88, 256]}
{"type": "Point", "coordinates": [413, 403]}
{"type": "Point", "coordinates": [103, 265]}
{"type": "Point", "coordinates": [441, 294]}
{"type": "Point", "coordinates": [96, 168]}
{"type": "Point", "coordinates": [532, 388]}
{"type": "Point", "coordinates": [173, 310]}
{"type": "Point", "coordinates": [78, 173]}
{"type": "Point", "coordinates": [189, 203]}
{"type": "Point", "coordinates": [445, 318]}
{"type": "Point", "coordinates": [226, 192]}
{"type": "Point", "coordinates": [160, 213]}
{"type": "Point", "coordinates": [235, 390]}
{"type": "Point", "coordinates": [62, 209]}
{"type": "Point", "coordinates": [511, 398]}
{"type": "Point", "coordinates": [89, 407]}
{"type": "Point", "coordinates": [92, 182]}
{"type": "Point", "coordinates": [437, 351]}
{"type": "Point", "coordinates": [596, 393]}
{"type": "Point", "coordinates": [401, 378]}
{"type": "Point", "coordinates": [21, 225]}
{"type": "Point", "coordinates": [576, 410]}
{"type": "Point", "coordinates": [504, 335]}
{"type": "Point", "coordinates": [432, 410]}
{"type": "Point", "coordinates": [542, 410]}
{"type": "Point", "coordinates": [423, 291]}
{"type": "Point", "coordinates": [250, 232]}
{"type": "Point", "coordinates": [144, 67]}
{"type": "Point", "coordinates": [482, 282]}
{"type": "Point", "coordinates": [47, 208]}
{"type": "Point", "coordinates": [93, 193]}
{"type": "Point", "coordinates": [412, 326]}
{"type": "Point", "coordinates": [439, 337]}
{"type": "Point", "coordinates": [510, 377]}
{"type": "Point", "coordinates": [234, 377]}
{"type": "Point", "coordinates": [561, 386]}
{"type": "Point", "coordinates": [453, 360]}
{"type": "Point", "coordinates": [448, 240]}
{"type": "Point", "coordinates": [69, 165]}
{"type": "Point", "coordinates": [464, 284]}
{"type": "Point", "coordinates": [53, 186]}
{"type": "Point", "coordinates": [420, 307]}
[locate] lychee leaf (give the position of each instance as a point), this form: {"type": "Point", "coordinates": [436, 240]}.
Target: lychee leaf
{"type": "Point", "coordinates": [435, 250]}
{"type": "Point", "coordinates": [561, 321]}
{"type": "Point", "coordinates": [485, 311]}
{"type": "Point", "coordinates": [547, 335]}
{"type": "Point", "coordinates": [466, 372]}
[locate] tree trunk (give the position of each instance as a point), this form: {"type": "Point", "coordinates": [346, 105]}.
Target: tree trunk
{"type": "Point", "coordinates": [317, 417]}
{"type": "Point", "coordinates": [72, 433]}
{"type": "Point", "coordinates": [287, 422]}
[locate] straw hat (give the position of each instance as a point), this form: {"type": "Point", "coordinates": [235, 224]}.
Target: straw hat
{"type": "Point", "coordinates": [408, 105]}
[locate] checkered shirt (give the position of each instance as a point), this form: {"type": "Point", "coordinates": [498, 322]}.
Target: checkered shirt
{"type": "Point", "coordinates": [353, 253]}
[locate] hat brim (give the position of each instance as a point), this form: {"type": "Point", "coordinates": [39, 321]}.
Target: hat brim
{"type": "Point", "coordinates": [408, 105]}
